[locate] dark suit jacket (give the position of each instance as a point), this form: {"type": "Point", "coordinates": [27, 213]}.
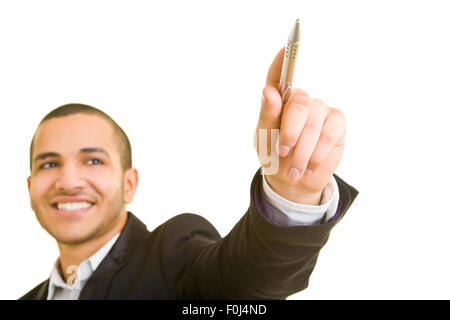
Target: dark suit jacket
{"type": "Point", "coordinates": [186, 258]}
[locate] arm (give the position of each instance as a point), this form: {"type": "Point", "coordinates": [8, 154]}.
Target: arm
{"type": "Point", "coordinates": [257, 260]}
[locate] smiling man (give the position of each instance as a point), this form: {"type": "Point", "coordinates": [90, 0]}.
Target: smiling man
{"type": "Point", "coordinates": [82, 178]}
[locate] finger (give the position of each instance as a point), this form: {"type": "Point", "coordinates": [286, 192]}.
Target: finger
{"type": "Point", "coordinates": [332, 135]}
{"type": "Point", "coordinates": [320, 177]}
{"type": "Point", "coordinates": [274, 73]}
{"type": "Point", "coordinates": [269, 118]}
{"type": "Point", "coordinates": [271, 107]}
{"type": "Point", "coordinates": [271, 104]}
{"type": "Point", "coordinates": [293, 119]}
{"type": "Point", "coordinates": [308, 140]}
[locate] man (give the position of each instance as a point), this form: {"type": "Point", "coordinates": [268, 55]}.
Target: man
{"type": "Point", "coordinates": [82, 178]}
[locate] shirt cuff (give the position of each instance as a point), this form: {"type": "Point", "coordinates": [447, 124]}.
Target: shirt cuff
{"type": "Point", "coordinates": [295, 214]}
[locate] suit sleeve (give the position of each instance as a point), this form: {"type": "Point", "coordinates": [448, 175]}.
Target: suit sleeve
{"type": "Point", "coordinates": [256, 260]}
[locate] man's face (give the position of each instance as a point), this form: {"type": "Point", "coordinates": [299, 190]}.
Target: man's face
{"type": "Point", "coordinates": [77, 182]}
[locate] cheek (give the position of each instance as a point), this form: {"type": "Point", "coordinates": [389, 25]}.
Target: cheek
{"type": "Point", "coordinates": [109, 186]}
{"type": "Point", "coordinates": [38, 188]}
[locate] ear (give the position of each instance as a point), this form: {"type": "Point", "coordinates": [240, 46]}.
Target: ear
{"type": "Point", "coordinates": [29, 191]}
{"type": "Point", "coordinates": [130, 184]}
{"type": "Point", "coordinates": [29, 183]}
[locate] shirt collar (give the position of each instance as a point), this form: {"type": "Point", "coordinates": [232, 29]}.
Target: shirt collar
{"type": "Point", "coordinates": [84, 270]}
{"type": "Point", "coordinates": [98, 257]}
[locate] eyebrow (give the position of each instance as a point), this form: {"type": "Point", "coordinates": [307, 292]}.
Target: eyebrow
{"type": "Point", "coordinates": [45, 155]}
{"type": "Point", "coordinates": [95, 149]}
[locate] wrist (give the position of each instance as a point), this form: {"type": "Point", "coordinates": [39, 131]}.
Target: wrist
{"type": "Point", "coordinates": [295, 193]}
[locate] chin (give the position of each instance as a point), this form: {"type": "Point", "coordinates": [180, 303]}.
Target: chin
{"type": "Point", "coordinates": [72, 238]}
{"type": "Point", "coordinates": [70, 233]}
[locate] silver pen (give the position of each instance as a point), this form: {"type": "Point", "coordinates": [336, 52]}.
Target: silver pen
{"type": "Point", "coordinates": [290, 57]}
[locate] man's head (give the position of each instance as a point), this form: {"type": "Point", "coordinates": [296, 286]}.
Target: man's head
{"type": "Point", "coordinates": [81, 173]}
{"type": "Point", "coordinates": [120, 137]}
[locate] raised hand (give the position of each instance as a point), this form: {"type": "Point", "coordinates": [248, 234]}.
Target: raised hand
{"type": "Point", "coordinates": [310, 141]}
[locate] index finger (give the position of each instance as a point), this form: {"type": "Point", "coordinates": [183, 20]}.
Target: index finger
{"type": "Point", "coordinates": [274, 74]}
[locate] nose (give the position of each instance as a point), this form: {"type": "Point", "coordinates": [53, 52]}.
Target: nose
{"type": "Point", "coordinates": [70, 178]}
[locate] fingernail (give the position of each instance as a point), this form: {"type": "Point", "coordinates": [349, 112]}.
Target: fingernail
{"type": "Point", "coordinates": [294, 174]}
{"type": "Point", "coordinates": [284, 150]}
{"type": "Point", "coordinates": [308, 172]}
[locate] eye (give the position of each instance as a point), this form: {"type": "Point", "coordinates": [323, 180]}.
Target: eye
{"type": "Point", "coordinates": [94, 161]}
{"type": "Point", "coordinates": [48, 165]}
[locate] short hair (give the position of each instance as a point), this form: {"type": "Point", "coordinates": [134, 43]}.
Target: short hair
{"type": "Point", "coordinates": [122, 141]}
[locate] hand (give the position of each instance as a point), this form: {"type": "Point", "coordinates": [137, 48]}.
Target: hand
{"type": "Point", "coordinates": [311, 137]}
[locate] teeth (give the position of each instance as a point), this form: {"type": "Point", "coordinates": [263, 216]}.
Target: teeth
{"type": "Point", "coordinates": [71, 206]}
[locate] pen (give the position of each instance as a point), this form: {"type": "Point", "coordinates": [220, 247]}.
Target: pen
{"type": "Point", "coordinates": [287, 73]}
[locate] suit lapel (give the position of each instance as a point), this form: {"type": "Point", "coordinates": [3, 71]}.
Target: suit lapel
{"type": "Point", "coordinates": [98, 285]}
{"type": "Point", "coordinates": [42, 293]}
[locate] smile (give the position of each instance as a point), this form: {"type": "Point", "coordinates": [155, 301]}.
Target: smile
{"type": "Point", "coordinates": [72, 209]}
{"type": "Point", "coordinates": [73, 206]}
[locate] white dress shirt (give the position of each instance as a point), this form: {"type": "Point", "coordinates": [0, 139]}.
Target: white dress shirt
{"type": "Point", "coordinates": [58, 289]}
{"type": "Point", "coordinates": [294, 214]}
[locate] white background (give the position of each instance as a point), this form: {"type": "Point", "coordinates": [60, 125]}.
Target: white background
{"type": "Point", "coordinates": [184, 79]}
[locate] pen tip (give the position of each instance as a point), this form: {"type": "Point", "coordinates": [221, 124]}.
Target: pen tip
{"type": "Point", "coordinates": [295, 32]}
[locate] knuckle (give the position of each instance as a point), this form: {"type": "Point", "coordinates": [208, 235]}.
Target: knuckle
{"type": "Point", "coordinates": [318, 102]}
{"type": "Point", "coordinates": [298, 91]}
{"type": "Point", "coordinates": [300, 107]}
{"type": "Point", "coordinates": [339, 114]}
{"type": "Point", "coordinates": [339, 118]}
{"type": "Point", "coordinates": [288, 138]}
{"type": "Point", "coordinates": [313, 125]}
{"type": "Point", "coordinates": [313, 163]}
{"type": "Point", "coordinates": [298, 96]}
{"type": "Point", "coordinates": [328, 137]}
{"type": "Point", "coordinates": [320, 106]}
{"type": "Point", "coordinates": [315, 158]}
{"type": "Point", "coordinates": [300, 164]}
{"type": "Point", "coordinates": [299, 160]}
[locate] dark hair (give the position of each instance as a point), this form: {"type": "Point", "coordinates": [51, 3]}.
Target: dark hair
{"type": "Point", "coordinates": [123, 143]}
